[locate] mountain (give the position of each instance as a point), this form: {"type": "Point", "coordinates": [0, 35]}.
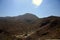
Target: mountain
{"type": "Point", "coordinates": [26, 18]}
{"type": "Point", "coordinates": [29, 27]}
{"type": "Point", "coordinates": [17, 24]}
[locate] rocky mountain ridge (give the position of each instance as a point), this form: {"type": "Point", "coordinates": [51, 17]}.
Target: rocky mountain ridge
{"type": "Point", "coordinates": [29, 27]}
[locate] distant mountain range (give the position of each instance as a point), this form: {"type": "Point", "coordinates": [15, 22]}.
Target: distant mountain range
{"type": "Point", "coordinates": [38, 28]}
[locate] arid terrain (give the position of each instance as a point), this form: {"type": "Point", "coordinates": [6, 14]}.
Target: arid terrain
{"type": "Point", "coordinates": [29, 27]}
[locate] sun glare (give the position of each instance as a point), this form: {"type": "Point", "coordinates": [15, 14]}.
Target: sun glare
{"type": "Point", "coordinates": [37, 2]}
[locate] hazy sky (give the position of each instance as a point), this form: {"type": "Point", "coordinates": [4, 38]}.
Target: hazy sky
{"type": "Point", "coordinates": [19, 7]}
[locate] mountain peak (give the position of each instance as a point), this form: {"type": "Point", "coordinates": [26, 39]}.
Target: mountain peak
{"type": "Point", "coordinates": [29, 14]}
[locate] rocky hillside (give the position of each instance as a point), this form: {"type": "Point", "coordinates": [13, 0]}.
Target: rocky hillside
{"type": "Point", "coordinates": [49, 29]}
{"type": "Point", "coordinates": [29, 27]}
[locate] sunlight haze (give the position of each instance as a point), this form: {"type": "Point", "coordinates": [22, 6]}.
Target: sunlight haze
{"type": "Point", "coordinates": [40, 8]}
